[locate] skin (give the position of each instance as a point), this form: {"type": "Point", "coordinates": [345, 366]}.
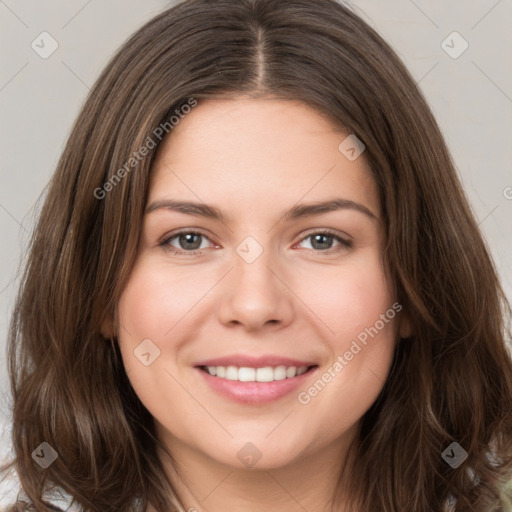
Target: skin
{"type": "Point", "coordinates": [254, 159]}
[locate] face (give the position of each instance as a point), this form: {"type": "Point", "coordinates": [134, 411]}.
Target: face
{"type": "Point", "coordinates": [254, 326]}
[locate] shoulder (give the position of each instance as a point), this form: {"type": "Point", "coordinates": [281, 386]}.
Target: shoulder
{"type": "Point", "coordinates": [10, 486]}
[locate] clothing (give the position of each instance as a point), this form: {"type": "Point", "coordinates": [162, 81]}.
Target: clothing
{"type": "Point", "coordinates": [10, 487]}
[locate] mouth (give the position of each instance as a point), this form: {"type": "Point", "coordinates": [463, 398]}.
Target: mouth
{"type": "Point", "coordinates": [262, 374]}
{"type": "Point", "coordinates": [255, 381]}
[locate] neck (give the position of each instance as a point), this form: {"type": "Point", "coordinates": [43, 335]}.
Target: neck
{"type": "Point", "coordinates": [307, 483]}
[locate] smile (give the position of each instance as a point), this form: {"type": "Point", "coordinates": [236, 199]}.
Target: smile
{"type": "Point", "coordinates": [263, 374]}
{"type": "Point", "coordinates": [255, 380]}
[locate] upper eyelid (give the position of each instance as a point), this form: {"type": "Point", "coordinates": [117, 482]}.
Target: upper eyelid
{"type": "Point", "coordinates": [330, 231]}
{"type": "Point", "coordinates": [196, 231]}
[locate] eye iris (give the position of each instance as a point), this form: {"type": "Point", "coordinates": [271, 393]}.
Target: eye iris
{"type": "Point", "coordinates": [186, 242]}
{"type": "Point", "coordinates": [321, 239]}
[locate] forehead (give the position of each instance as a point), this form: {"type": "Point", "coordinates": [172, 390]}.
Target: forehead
{"type": "Point", "coordinates": [258, 154]}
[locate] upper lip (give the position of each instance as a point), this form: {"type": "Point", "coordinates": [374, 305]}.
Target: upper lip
{"type": "Point", "coordinates": [255, 362]}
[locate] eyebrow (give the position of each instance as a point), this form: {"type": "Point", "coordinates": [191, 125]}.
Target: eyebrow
{"type": "Point", "coordinates": [296, 212]}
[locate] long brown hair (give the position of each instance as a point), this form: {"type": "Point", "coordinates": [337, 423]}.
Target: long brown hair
{"type": "Point", "coordinates": [451, 381]}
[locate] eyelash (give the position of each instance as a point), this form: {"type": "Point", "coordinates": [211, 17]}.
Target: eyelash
{"type": "Point", "coordinates": [344, 244]}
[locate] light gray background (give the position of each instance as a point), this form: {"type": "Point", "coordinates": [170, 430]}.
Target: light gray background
{"type": "Point", "coordinates": [471, 97]}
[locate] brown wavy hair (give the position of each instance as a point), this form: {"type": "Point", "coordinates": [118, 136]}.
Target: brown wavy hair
{"type": "Point", "coordinates": [450, 381]}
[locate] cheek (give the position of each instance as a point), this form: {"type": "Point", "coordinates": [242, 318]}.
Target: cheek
{"type": "Point", "coordinates": [151, 306]}
{"type": "Point", "coordinates": [356, 304]}
{"type": "Point", "coordinates": [155, 300]}
{"type": "Point", "coordinates": [361, 352]}
{"type": "Point", "coordinates": [148, 309]}
{"type": "Point", "coordinates": [349, 298]}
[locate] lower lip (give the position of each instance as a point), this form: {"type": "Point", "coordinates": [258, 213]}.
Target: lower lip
{"type": "Point", "coordinates": [255, 392]}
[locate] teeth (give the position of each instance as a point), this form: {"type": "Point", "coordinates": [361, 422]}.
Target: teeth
{"type": "Point", "coordinates": [265, 374]}
{"type": "Point", "coordinates": [291, 372]}
{"type": "Point", "coordinates": [231, 373]}
{"type": "Point", "coordinates": [280, 373]}
{"type": "Point", "coordinates": [301, 370]}
{"type": "Point", "coordinates": [247, 374]}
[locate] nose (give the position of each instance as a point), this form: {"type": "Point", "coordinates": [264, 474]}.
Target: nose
{"type": "Point", "coordinates": [256, 295]}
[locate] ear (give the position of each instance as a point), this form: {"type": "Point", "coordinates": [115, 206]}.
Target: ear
{"type": "Point", "coordinates": [108, 329]}
{"type": "Point", "coordinates": [405, 326]}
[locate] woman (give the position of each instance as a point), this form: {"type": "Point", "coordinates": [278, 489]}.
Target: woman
{"type": "Point", "coordinates": [256, 284]}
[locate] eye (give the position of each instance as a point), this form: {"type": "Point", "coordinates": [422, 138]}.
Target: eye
{"type": "Point", "coordinates": [188, 242]}
{"type": "Point", "coordinates": [191, 242]}
{"type": "Point", "coordinates": [322, 241]}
